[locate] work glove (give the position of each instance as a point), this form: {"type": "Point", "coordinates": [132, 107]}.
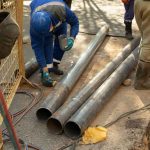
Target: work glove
{"type": "Point", "coordinates": [70, 42]}
{"type": "Point", "coordinates": [125, 1]}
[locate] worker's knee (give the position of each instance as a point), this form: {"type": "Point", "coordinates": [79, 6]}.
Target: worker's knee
{"type": "Point", "coordinates": [145, 54]}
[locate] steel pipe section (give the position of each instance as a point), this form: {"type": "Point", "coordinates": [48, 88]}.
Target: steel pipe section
{"type": "Point", "coordinates": [78, 123]}
{"type": "Point", "coordinates": [31, 67]}
{"type": "Point", "coordinates": [57, 97]}
{"type": "Point", "coordinates": [49, 106]}
{"type": "Point", "coordinates": [58, 119]}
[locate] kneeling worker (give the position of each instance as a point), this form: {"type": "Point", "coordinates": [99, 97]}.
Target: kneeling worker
{"type": "Point", "coordinates": [49, 19]}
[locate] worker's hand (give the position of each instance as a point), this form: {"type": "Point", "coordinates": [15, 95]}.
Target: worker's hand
{"type": "Point", "coordinates": [125, 1]}
{"type": "Point", "coordinates": [70, 42]}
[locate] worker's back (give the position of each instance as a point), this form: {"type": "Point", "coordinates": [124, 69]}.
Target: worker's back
{"type": "Point", "coordinates": [35, 3]}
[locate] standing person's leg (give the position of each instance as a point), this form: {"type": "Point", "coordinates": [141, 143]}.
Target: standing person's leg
{"type": "Point", "coordinates": [58, 52]}
{"type": "Point", "coordinates": [37, 43]}
{"type": "Point", "coordinates": [128, 17]}
{"type": "Point", "coordinates": [48, 51]}
{"type": "Point", "coordinates": [142, 11]}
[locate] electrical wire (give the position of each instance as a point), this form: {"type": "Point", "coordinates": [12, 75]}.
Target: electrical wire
{"type": "Point", "coordinates": [36, 100]}
{"type": "Point", "coordinates": [147, 107]}
{"type": "Point", "coordinates": [21, 113]}
{"type": "Point", "coordinates": [144, 108]}
{"type": "Point", "coordinates": [25, 108]}
{"type": "Point", "coordinates": [22, 143]}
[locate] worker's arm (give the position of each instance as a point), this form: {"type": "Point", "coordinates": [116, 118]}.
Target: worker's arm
{"type": "Point", "coordinates": [72, 19]}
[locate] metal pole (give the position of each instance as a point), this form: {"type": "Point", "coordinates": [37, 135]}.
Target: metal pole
{"type": "Point", "coordinates": [58, 119]}
{"type": "Point", "coordinates": [8, 122]}
{"type": "Point", "coordinates": [61, 91]}
{"type": "Point", "coordinates": [77, 124]}
{"type": "Point", "coordinates": [31, 67]}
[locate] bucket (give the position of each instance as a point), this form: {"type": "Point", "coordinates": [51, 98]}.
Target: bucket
{"type": "Point", "coordinates": [62, 41]}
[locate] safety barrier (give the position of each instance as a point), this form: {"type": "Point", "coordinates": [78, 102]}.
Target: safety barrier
{"type": "Point", "coordinates": [12, 67]}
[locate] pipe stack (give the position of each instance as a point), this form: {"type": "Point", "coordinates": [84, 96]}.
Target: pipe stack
{"type": "Point", "coordinates": [75, 115]}
{"type": "Point", "coordinates": [78, 123]}
{"type": "Point", "coordinates": [58, 119]}
{"type": "Point", "coordinates": [61, 91]}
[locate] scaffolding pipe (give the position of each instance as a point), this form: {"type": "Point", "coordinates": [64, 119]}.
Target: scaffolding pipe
{"type": "Point", "coordinates": [58, 119]}
{"type": "Point", "coordinates": [61, 91]}
{"type": "Point", "coordinates": [79, 122]}
{"type": "Point", "coordinates": [8, 123]}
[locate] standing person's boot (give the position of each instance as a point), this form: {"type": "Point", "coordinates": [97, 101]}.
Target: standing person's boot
{"type": "Point", "coordinates": [128, 30]}
{"type": "Point", "coordinates": [142, 78]}
{"type": "Point", "coordinates": [47, 80]}
{"type": "Point", "coordinates": [56, 69]}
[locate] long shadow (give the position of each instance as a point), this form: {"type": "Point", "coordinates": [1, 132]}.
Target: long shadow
{"type": "Point", "coordinates": [91, 17]}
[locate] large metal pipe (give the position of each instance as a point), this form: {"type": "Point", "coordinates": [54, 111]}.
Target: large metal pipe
{"type": "Point", "coordinates": [58, 119]}
{"type": "Point", "coordinates": [30, 67]}
{"type": "Point", "coordinates": [77, 124]}
{"type": "Point", "coordinates": [61, 91]}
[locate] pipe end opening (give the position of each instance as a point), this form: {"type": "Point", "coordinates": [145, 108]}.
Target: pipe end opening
{"type": "Point", "coordinates": [72, 130]}
{"type": "Point", "coordinates": [43, 114]}
{"type": "Point", "coordinates": [54, 126]}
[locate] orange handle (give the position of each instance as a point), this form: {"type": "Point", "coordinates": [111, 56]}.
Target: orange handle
{"type": "Point", "coordinates": [125, 1]}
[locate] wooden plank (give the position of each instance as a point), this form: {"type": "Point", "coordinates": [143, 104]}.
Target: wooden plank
{"type": "Point", "coordinates": [1, 141]}
{"type": "Point", "coordinates": [19, 16]}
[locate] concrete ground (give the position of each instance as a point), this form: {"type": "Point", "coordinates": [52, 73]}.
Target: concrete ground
{"type": "Point", "coordinates": [123, 135]}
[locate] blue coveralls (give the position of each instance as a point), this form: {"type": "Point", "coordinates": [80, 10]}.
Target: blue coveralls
{"type": "Point", "coordinates": [129, 11]}
{"type": "Point", "coordinates": [46, 47]}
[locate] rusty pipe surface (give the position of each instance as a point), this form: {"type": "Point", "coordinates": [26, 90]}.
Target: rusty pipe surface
{"type": "Point", "coordinates": [31, 67]}
{"type": "Point", "coordinates": [57, 97]}
{"type": "Point", "coordinates": [58, 119]}
{"type": "Point", "coordinates": [78, 123]}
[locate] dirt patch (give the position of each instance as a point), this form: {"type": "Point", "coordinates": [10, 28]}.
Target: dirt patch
{"type": "Point", "coordinates": [135, 123]}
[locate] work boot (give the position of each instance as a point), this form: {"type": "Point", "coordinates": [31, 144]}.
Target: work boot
{"type": "Point", "coordinates": [128, 30]}
{"type": "Point", "coordinates": [142, 78]}
{"type": "Point", "coordinates": [56, 69]}
{"type": "Point", "coordinates": [47, 80]}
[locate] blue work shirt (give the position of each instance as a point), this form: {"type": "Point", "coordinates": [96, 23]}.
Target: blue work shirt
{"type": "Point", "coordinates": [71, 18]}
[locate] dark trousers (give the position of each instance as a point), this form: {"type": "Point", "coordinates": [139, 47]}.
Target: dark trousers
{"type": "Point", "coordinates": [129, 11]}
{"type": "Point", "coordinates": [68, 2]}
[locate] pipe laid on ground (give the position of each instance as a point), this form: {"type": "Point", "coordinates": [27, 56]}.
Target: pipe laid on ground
{"type": "Point", "coordinates": [31, 67]}
{"type": "Point", "coordinates": [58, 119]}
{"type": "Point", "coordinates": [77, 124]}
{"type": "Point", "coordinates": [57, 97]}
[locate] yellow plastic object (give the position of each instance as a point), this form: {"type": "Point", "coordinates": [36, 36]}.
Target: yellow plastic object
{"type": "Point", "coordinates": [94, 135]}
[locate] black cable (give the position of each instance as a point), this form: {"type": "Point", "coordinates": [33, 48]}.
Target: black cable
{"type": "Point", "coordinates": [126, 114]}
{"type": "Point", "coordinates": [24, 111]}
{"type": "Point", "coordinates": [147, 107]}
